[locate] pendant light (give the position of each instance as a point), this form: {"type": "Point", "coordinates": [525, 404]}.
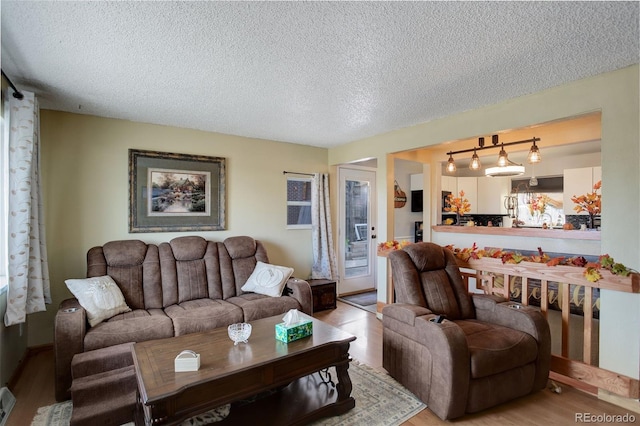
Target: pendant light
{"type": "Point", "coordinates": [503, 160]}
{"type": "Point", "coordinates": [475, 161]}
{"type": "Point", "coordinates": [533, 181]}
{"type": "Point", "coordinates": [534, 154]}
{"type": "Point", "coordinates": [451, 165]}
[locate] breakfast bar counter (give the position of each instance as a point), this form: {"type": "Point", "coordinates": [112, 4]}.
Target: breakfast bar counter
{"type": "Point", "coordinates": [520, 232]}
{"type": "Point", "coordinates": [521, 239]}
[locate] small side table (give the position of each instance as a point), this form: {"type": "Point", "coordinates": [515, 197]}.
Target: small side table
{"type": "Point", "coordinates": [324, 294]}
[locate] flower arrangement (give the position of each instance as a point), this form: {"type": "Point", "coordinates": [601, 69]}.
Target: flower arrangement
{"type": "Point", "coordinates": [590, 202]}
{"type": "Point", "coordinates": [538, 205]}
{"type": "Point", "coordinates": [459, 205]}
{"type": "Point", "coordinates": [591, 271]}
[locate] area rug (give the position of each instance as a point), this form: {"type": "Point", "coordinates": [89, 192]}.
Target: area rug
{"type": "Point", "coordinates": [380, 401]}
{"type": "Point", "coordinates": [362, 299]}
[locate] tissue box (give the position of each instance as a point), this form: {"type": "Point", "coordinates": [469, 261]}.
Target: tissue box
{"type": "Point", "coordinates": [187, 361]}
{"type": "Point", "coordinates": [294, 332]}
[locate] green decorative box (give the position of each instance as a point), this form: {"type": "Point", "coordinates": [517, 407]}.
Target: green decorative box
{"type": "Point", "coordinates": [294, 332]}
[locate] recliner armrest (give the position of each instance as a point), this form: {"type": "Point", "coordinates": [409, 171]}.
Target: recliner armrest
{"type": "Point", "coordinates": [301, 291]}
{"type": "Point", "coordinates": [496, 310]}
{"type": "Point", "coordinates": [519, 317]}
{"type": "Point", "coordinates": [404, 312]}
{"type": "Point", "coordinates": [70, 329]}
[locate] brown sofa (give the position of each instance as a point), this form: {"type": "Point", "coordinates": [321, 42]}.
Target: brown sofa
{"type": "Point", "coordinates": [184, 286]}
{"type": "Point", "coordinates": [487, 351]}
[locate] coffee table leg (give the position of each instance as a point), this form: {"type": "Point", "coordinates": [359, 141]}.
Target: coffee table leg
{"type": "Point", "coordinates": [344, 385]}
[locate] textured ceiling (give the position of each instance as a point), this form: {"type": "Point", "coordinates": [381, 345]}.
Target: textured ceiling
{"type": "Point", "coordinates": [313, 73]}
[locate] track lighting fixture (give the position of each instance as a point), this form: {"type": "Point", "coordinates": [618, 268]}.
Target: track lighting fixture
{"type": "Point", "coordinates": [505, 167]}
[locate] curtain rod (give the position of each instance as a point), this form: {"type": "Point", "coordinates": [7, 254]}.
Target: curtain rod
{"type": "Point", "coordinates": [16, 92]}
{"type": "Point", "coordinates": [297, 173]}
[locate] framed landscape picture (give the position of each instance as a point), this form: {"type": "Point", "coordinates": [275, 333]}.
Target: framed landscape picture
{"type": "Point", "coordinates": [176, 192]}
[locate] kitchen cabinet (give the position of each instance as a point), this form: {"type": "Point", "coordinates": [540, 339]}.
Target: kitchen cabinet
{"type": "Point", "coordinates": [416, 182]}
{"type": "Point", "coordinates": [450, 184]}
{"type": "Point", "coordinates": [491, 193]}
{"type": "Point", "coordinates": [470, 187]}
{"type": "Point", "coordinates": [578, 182]}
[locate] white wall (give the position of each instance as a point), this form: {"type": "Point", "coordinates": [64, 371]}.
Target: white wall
{"type": "Point", "coordinates": [404, 218]}
{"type": "Point", "coordinates": [85, 182]}
{"type": "Point", "coordinates": [616, 94]}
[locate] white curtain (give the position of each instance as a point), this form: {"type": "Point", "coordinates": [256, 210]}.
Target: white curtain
{"type": "Point", "coordinates": [324, 259]}
{"type": "Point", "coordinates": [28, 271]}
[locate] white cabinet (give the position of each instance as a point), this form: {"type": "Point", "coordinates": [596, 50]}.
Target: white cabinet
{"type": "Point", "coordinates": [578, 182]}
{"type": "Point", "coordinates": [416, 182]}
{"type": "Point", "coordinates": [450, 184]}
{"type": "Point", "coordinates": [485, 194]}
{"type": "Point", "coordinates": [491, 193]}
{"type": "Point", "coordinates": [470, 187]}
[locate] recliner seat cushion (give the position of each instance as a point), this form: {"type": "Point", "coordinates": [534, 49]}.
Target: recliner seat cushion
{"type": "Point", "coordinates": [198, 315]}
{"type": "Point", "coordinates": [495, 349]}
{"type": "Point", "coordinates": [135, 326]}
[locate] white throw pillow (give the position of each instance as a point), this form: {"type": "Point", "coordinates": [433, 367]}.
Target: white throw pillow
{"type": "Point", "coordinates": [268, 279]}
{"type": "Point", "coordinates": [99, 296]}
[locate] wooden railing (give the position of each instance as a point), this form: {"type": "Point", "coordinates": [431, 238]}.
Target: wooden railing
{"type": "Point", "coordinates": [577, 373]}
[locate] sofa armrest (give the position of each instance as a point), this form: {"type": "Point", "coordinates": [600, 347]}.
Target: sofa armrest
{"type": "Point", "coordinates": [301, 291]}
{"type": "Point", "coordinates": [69, 332]}
{"type": "Point", "coordinates": [527, 319]}
{"type": "Point", "coordinates": [404, 313]}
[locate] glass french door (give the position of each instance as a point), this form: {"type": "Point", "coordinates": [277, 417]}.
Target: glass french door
{"type": "Point", "coordinates": [356, 235]}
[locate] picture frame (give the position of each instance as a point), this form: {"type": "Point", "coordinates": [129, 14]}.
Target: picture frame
{"type": "Point", "coordinates": [171, 192]}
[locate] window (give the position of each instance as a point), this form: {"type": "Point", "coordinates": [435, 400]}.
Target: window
{"type": "Point", "coordinates": [299, 203]}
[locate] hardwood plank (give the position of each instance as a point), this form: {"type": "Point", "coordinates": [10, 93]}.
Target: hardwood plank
{"type": "Point", "coordinates": [35, 386]}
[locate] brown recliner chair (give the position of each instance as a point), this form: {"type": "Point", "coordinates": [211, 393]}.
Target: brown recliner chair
{"type": "Point", "coordinates": [487, 351]}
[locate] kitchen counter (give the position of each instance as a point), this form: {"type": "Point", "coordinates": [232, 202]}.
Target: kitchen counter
{"type": "Point", "coordinates": [520, 232]}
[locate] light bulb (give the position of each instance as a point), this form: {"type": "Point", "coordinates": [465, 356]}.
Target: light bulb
{"type": "Point", "coordinates": [534, 154]}
{"type": "Point", "coordinates": [475, 161]}
{"type": "Point", "coordinates": [502, 158]}
{"type": "Point", "coordinates": [451, 165]}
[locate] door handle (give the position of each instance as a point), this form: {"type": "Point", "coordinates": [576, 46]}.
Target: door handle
{"type": "Point", "coordinates": [374, 236]}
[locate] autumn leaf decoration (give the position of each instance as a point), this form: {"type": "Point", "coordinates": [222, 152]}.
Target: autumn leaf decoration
{"type": "Point", "coordinates": [592, 270]}
{"type": "Point", "coordinates": [458, 205]}
{"type": "Point", "coordinates": [590, 202]}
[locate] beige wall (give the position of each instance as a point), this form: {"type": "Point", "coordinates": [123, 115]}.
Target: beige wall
{"type": "Point", "coordinates": [85, 175]}
{"type": "Point", "coordinates": [616, 95]}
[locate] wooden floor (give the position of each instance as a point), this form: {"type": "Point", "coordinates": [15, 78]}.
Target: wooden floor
{"type": "Point", "coordinates": [35, 388]}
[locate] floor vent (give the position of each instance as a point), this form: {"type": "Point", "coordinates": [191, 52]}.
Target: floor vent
{"type": "Point", "coordinates": [7, 401]}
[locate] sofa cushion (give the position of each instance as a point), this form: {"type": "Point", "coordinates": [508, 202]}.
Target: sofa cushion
{"type": "Point", "coordinates": [268, 279]}
{"type": "Point", "coordinates": [239, 247]}
{"type": "Point", "coordinates": [135, 326]}
{"type": "Point", "coordinates": [188, 248]}
{"type": "Point", "coordinates": [198, 315]}
{"type": "Point", "coordinates": [494, 349]}
{"type": "Point", "coordinates": [99, 296]}
{"type": "Point", "coordinates": [256, 306]}
{"type": "Point", "coordinates": [134, 266]}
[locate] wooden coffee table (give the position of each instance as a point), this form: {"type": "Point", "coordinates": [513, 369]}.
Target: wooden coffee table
{"type": "Point", "coordinates": [235, 374]}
